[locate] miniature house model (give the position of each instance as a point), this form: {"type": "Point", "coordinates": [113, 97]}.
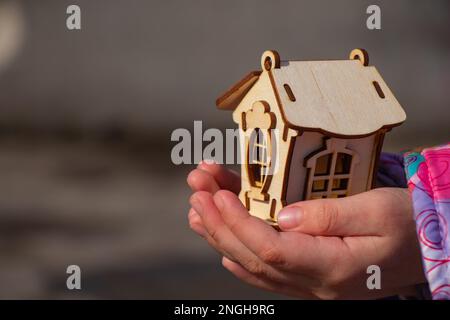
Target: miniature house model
{"type": "Point", "coordinates": [312, 129]}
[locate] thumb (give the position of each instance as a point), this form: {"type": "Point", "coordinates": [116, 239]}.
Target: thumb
{"type": "Point", "coordinates": [351, 216]}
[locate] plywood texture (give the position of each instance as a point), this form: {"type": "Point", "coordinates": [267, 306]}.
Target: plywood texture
{"type": "Point", "coordinates": [345, 100]}
{"type": "Point", "coordinates": [337, 97]}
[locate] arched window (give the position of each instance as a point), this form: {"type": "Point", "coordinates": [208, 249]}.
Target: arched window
{"type": "Point", "coordinates": [330, 171]}
{"type": "Point", "coordinates": [259, 157]}
{"type": "Point", "coordinates": [258, 122]}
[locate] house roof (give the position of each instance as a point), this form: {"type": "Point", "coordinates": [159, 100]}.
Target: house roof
{"type": "Point", "coordinates": [233, 96]}
{"type": "Point", "coordinates": [341, 97]}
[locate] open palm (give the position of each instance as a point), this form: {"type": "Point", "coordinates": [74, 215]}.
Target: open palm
{"type": "Point", "coordinates": [325, 254]}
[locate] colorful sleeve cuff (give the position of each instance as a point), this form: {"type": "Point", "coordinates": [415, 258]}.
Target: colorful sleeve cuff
{"type": "Point", "coordinates": [428, 179]}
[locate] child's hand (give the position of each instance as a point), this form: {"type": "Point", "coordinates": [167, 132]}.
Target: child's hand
{"type": "Point", "coordinates": [328, 248]}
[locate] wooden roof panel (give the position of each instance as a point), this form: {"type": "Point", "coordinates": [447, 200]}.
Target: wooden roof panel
{"type": "Point", "coordinates": [341, 97]}
{"type": "Point", "coordinates": [233, 96]}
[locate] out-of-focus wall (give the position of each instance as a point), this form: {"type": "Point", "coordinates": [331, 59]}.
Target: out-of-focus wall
{"type": "Point", "coordinates": [151, 66]}
{"type": "Point", "coordinates": [85, 120]}
{"type": "Point", "coordinates": [11, 31]}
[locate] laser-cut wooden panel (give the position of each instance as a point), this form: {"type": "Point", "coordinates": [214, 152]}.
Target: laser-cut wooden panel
{"type": "Point", "coordinates": [330, 170]}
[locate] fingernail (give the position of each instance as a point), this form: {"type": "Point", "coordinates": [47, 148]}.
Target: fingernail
{"type": "Point", "coordinates": [289, 217]}
{"type": "Point", "coordinates": [191, 213]}
{"type": "Point", "coordinates": [196, 205]}
{"type": "Point", "coordinates": [218, 201]}
{"type": "Point", "coordinates": [208, 161]}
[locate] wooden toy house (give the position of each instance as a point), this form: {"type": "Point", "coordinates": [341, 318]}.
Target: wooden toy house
{"type": "Point", "coordinates": [312, 129]}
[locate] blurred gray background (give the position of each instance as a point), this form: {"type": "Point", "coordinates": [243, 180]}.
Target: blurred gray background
{"type": "Point", "coordinates": [86, 117]}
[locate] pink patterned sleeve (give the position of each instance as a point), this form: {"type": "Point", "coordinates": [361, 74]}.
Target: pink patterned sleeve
{"type": "Point", "coordinates": [428, 175]}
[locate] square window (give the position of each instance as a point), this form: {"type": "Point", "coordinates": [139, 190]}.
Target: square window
{"type": "Point", "coordinates": [320, 185]}
{"type": "Point", "coordinates": [340, 184]}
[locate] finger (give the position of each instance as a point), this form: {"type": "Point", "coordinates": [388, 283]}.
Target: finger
{"type": "Point", "coordinates": [259, 248]}
{"type": "Point", "coordinates": [200, 180]}
{"type": "Point", "coordinates": [244, 275]}
{"type": "Point", "coordinates": [253, 232]}
{"type": "Point", "coordinates": [358, 215]}
{"type": "Point", "coordinates": [196, 224]}
{"type": "Point", "coordinates": [222, 238]}
{"type": "Point", "coordinates": [227, 179]}
{"type": "Point", "coordinates": [193, 215]}
{"type": "Point", "coordinates": [280, 250]}
{"type": "Point", "coordinates": [225, 241]}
